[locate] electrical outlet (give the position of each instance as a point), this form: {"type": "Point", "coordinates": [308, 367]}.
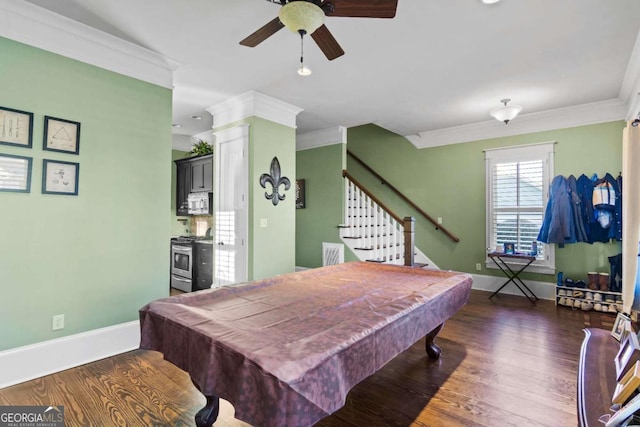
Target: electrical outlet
{"type": "Point", "coordinates": [439, 220]}
{"type": "Point", "coordinates": [263, 222]}
{"type": "Point", "coordinates": [478, 266]}
{"type": "Point", "coordinates": [57, 322]}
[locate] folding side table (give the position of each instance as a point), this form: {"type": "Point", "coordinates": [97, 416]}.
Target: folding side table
{"type": "Point", "coordinates": [501, 259]}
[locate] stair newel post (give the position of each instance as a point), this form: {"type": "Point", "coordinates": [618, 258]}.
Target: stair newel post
{"type": "Point", "coordinates": [395, 238]}
{"type": "Point", "coordinates": [409, 239]}
{"type": "Point", "coordinates": [358, 214]}
{"type": "Point", "coordinates": [369, 223]}
{"type": "Point", "coordinates": [347, 205]}
{"type": "Point", "coordinates": [374, 229]}
{"type": "Point", "coordinates": [385, 233]}
{"type": "Point", "coordinates": [352, 209]}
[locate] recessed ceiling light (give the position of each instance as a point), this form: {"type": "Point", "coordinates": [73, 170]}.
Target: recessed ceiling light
{"type": "Point", "coordinates": [196, 117]}
{"type": "Point", "coordinates": [490, 1]}
{"type": "Point", "coordinates": [176, 125]}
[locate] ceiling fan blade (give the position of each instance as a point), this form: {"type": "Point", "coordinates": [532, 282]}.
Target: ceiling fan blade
{"type": "Point", "coordinates": [363, 9]}
{"type": "Point", "coordinates": [327, 43]}
{"type": "Point", "coordinates": [263, 33]}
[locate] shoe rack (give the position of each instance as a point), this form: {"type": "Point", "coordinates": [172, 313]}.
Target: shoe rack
{"type": "Point", "coordinates": [594, 295]}
{"type": "Point", "coordinates": [587, 299]}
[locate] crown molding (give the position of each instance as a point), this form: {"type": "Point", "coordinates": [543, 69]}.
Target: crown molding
{"type": "Point", "coordinates": [321, 138]}
{"type": "Point", "coordinates": [38, 27]}
{"type": "Point", "coordinates": [254, 104]}
{"type": "Point", "coordinates": [231, 133]}
{"type": "Point", "coordinates": [578, 115]}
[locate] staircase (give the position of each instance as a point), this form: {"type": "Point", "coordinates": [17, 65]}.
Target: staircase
{"type": "Point", "coordinates": [373, 232]}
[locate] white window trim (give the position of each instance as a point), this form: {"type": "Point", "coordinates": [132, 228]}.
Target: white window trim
{"type": "Point", "coordinates": [544, 150]}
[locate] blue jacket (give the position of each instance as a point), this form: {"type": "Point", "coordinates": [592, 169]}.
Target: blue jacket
{"type": "Point", "coordinates": [558, 226]}
{"type": "Point", "coordinates": [576, 208]}
{"type": "Point", "coordinates": [585, 191]}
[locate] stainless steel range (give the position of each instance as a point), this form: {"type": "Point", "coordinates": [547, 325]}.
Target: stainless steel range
{"type": "Point", "coordinates": [182, 263]}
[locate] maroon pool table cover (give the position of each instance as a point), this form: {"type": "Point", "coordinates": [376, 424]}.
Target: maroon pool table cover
{"type": "Point", "coordinates": [286, 351]}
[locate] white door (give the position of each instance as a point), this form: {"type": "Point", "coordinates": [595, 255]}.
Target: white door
{"type": "Point", "coordinates": [231, 213]}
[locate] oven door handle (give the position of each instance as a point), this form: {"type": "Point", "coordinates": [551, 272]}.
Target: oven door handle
{"type": "Point", "coordinates": [179, 279]}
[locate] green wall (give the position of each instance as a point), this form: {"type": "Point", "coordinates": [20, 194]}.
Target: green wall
{"type": "Point", "coordinates": [449, 182]}
{"type": "Point", "coordinates": [178, 228]}
{"type": "Point", "coordinates": [100, 256]}
{"type": "Point", "coordinates": [321, 168]}
{"type": "Point", "coordinates": [272, 248]}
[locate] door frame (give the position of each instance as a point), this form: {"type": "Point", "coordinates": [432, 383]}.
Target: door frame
{"type": "Point", "coordinates": [237, 134]}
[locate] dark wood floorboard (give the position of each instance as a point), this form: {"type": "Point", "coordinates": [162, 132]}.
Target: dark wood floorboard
{"type": "Point", "coordinates": [504, 362]}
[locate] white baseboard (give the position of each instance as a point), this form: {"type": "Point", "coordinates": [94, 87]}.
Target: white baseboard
{"type": "Point", "coordinates": [36, 360]}
{"type": "Point", "coordinates": [543, 290]}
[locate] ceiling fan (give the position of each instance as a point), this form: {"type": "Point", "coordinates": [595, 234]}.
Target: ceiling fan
{"type": "Point", "coordinates": [307, 17]}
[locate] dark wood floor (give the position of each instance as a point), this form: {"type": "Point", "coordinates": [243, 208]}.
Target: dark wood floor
{"type": "Point", "coordinates": [504, 362]}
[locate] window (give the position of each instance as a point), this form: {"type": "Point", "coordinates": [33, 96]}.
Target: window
{"type": "Point", "coordinates": [517, 186]}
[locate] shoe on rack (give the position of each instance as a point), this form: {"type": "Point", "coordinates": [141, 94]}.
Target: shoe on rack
{"type": "Point", "coordinates": [597, 306]}
{"type": "Point", "coordinates": [562, 301]}
{"type": "Point", "coordinates": [578, 294]}
{"type": "Point", "coordinates": [579, 284]}
{"type": "Point", "coordinates": [586, 306]}
{"type": "Point", "coordinates": [559, 281]}
{"type": "Point", "coordinates": [597, 297]}
{"type": "Point", "coordinates": [612, 308]}
{"type": "Point", "coordinates": [593, 281]}
{"type": "Point", "coordinates": [577, 303]}
{"type": "Point", "coordinates": [609, 298]}
{"type": "Point", "coordinates": [618, 300]}
{"type": "Point", "coordinates": [603, 282]}
{"type": "Point", "coordinates": [562, 293]}
{"type": "Point", "coordinates": [589, 296]}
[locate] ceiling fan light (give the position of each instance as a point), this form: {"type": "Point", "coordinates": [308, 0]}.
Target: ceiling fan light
{"type": "Point", "coordinates": [301, 15]}
{"type": "Point", "coordinates": [304, 71]}
{"type": "Point", "coordinates": [506, 113]}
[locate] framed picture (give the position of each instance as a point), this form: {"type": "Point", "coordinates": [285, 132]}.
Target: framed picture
{"type": "Point", "coordinates": [61, 135]}
{"type": "Point", "coordinates": [627, 385]}
{"type": "Point", "coordinates": [623, 415]}
{"type": "Point", "coordinates": [627, 356]}
{"type": "Point", "coordinates": [300, 194]}
{"type": "Point", "coordinates": [16, 127]}
{"type": "Point", "coordinates": [15, 173]}
{"type": "Point", "coordinates": [620, 325]}
{"type": "Point", "coordinates": [60, 177]}
{"type": "Point", "coordinates": [509, 248]}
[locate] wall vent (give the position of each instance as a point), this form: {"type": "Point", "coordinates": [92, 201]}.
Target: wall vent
{"type": "Point", "coordinates": [332, 253]}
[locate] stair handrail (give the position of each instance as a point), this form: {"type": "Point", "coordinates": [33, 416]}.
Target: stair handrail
{"type": "Point", "coordinates": [395, 216]}
{"type": "Point", "coordinates": [408, 223]}
{"type": "Point", "coordinates": [403, 197]}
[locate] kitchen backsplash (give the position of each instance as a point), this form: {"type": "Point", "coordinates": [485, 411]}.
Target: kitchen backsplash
{"type": "Point", "coordinates": [200, 224]}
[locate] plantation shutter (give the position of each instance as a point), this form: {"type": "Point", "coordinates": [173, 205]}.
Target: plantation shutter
{"type": "Point", "coordinates": [518, 179]}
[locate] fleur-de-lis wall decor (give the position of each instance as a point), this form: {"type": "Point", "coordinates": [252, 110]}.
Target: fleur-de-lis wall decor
{"type": "Point", "coordinates": [276, 181]}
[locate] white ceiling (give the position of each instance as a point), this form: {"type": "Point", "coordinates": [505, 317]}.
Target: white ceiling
{"type": "Point", "coordinates": [438, 64]}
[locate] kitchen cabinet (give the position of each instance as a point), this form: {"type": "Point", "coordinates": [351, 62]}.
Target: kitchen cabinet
{"type": "Point", "coordinates": [203, 271]}
{"type": "Point", "coordinates": [194, 175]}
{"type": "Point", "coordinates": [202, 174]}
{"type": "Point", "coordinates": [183, 187]}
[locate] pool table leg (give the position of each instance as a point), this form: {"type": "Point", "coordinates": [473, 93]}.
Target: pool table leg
{"type": "Point", "coordinates": [209, 414]}
{"type": "Point", "coordinates": [433, 351]}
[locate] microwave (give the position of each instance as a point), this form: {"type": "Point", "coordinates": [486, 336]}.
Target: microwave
{"type": "Point", "coordinates": [200, 203]}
